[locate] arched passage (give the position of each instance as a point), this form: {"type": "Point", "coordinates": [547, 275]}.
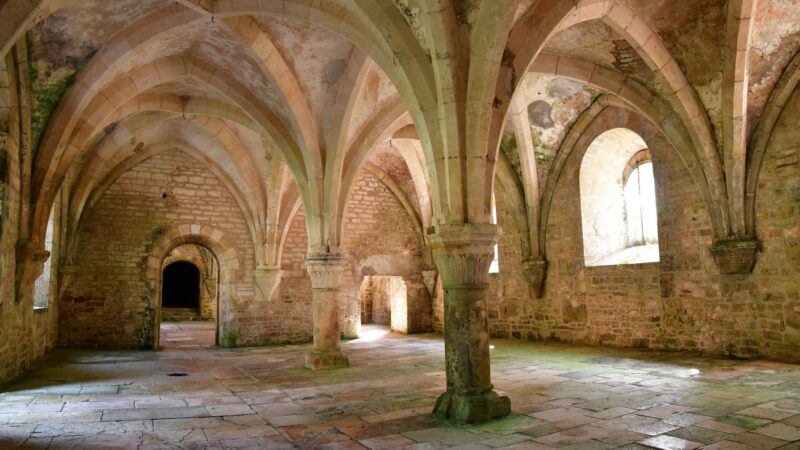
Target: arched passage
{"type": "Point", "coordinates": [228, 262]}
{"type": "Point", "coordinates": [189, 281]}
{"type": "Point", "coordinates": [180, 286]}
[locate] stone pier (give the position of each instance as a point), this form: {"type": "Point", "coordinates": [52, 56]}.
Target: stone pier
{"type": "Point", "coordinates": [462, 254]}
{"type": "Point", "coordinates": [325, 270]}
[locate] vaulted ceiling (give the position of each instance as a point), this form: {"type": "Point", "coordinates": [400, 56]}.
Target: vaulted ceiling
{"type": "Point", "coordinates": [288, 102]}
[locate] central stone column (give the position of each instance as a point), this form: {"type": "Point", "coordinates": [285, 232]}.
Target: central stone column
{"type": "Point", "coordinates": [463, 254]}
{"type": "Point", "coordinates": [326, 270]}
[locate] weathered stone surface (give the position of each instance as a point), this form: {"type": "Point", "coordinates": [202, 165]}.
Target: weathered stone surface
{"type": "Point", "coordinates": [565, 395]}
{"type": "Point", "coordinates": [735, 257]}
{"type": "Point", "coordinates": [243, 136]}
{"type": "Point", "coordinates": [325, 270]}
{"type": "Point", "coordinates": [462, 255]}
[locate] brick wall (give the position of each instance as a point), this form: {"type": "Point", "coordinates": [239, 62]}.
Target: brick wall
{"type": "Point", "coordinates": [291, 306]}
{"type": "Point", "coordinates": [25, 335]}
{"type": "Point", "coordinates": [379, 239]}
{"type": "Point", "coordinates": [108, 302]}
{"type": "Point", "coordinates": [777, 272]}
{"type": "Point", "coordinates": [680, 303]}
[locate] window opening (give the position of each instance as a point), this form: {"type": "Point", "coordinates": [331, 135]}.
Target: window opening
{"type": "Point", "coordinates": [494, 267]}
{"type": "Point", "coordinates": [41, 298]}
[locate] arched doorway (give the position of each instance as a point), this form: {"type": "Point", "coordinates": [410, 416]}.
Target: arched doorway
{"type": "Point", "coordinates": [220, 265]}
{"type": "Point", "coordinates": [188, 298]}
{"type": "Point", "coordinates": [181, 288]}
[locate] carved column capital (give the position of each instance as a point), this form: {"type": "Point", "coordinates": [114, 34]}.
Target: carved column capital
{"type": "Point", "coordinates": [735, 256]}
{"type": "Point", "coordinates": [325, 269]}
{"type": "Point", "coordinates": [463, 254]}
{"type": "Point", "coordinates": [537, 273]}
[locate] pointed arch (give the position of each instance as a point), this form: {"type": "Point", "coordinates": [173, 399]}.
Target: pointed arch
{"type": "Point", "coordinates": [778, 99]}
{"type": "Point", "coordinates": [547, 17]}
{"type": "Point", "coordinates": [735, 87]}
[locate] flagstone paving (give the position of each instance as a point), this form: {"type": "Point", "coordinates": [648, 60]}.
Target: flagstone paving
{"type": "Point", "coordinates": [191, 395]}
{"type": "Point", "coordinates": [187, 334]}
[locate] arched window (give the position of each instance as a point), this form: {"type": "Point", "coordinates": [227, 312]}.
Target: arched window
{"type": "Point", "coordinates": [494, 267]}
{"type": "Point", "coordinates": [43, 284]}
{"type": "Point", "coordinates": [618, 201]}
{"type": "Point", "coordinates": [640, 205]}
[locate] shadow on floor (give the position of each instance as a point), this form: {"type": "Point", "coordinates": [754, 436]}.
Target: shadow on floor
{"type": "Point", "coordinates": [562, 396]}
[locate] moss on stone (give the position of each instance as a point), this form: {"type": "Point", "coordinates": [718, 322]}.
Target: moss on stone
{"type": "Point", "coordinates": [744, 421]}
{"type": "Point", "coordinates": [157, 232]}
{"type": "Point", "coordinates": [230, 337]}
{"type": "Point", "coordinates": [45, 96]}
{"type": "Point", "coordinates": [541, 151]}
{"type": "Point", "coordinates": [510, 148]}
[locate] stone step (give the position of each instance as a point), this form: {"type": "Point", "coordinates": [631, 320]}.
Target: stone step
{"type": "Point", "coordinates": [180, 314]}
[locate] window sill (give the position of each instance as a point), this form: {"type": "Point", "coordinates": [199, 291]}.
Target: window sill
{"type": "Point", "coordinates": [640, 254]}
{"type": "Point", "coordinates": [40, 309]}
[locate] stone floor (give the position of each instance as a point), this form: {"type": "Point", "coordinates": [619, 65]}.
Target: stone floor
{"type": "Point", "coordinates": [564, 396]}
{"type": "Point", "coordinates": [189, 334]}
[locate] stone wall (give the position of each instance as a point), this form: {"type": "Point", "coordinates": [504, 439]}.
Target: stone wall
{"type": "Point", "coordinates": [25, 334]}
{"type": "Point", "coordinates": [294, 294]}
{"type": "Point", "coordinates": [775, 316]}
{"type": "Point", "coordinates": [384, 301]}
{"type": "Point", "coordinates": [680, 303]}
{"type": "Point", "coordinates": [108, 302]}
{"type": "Point", "coordinates": [379, 239]}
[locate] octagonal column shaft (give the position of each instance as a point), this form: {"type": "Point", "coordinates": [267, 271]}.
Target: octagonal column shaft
{"type": "Point", "coordinates": [325, 270]}
{"type": "Point", "coordinates": [463, 254]}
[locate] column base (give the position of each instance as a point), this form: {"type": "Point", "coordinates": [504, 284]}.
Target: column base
{"type": "Point", "coordinates": [463, 409]}
{"type": "Point", "coordinates": [322, 360]}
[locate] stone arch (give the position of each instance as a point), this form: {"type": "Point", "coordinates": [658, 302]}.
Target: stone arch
{"type": "Point", "coordinates": [410, 150]}
{"type": "Point", "coordinates": [604, 209]}
{"type": "Point", "coordinates": [382, 127]}
{"type": "Point", "coordinates": [359, 23]}
{"type": "Point", "coordinates": [206, 263]}
{"type": "Point", "coordinates": [778, 99]}
{"type": "Point", "coordinates": [49, 174]}
{"type": "Point", "coordinates": [511, 185]}
{"type": "Point", "coordinates": [531, 32]}
{"type": "Point", "coordinates": [239, 180]}
{"type": "Point", "coordinates": [633, 96]}
{"type": "Point", "coordinates": [735, 89]}
{"type": "Point", "coordinates": [603, 115]}
{"type": "Point", "coordinates": [229, 260]}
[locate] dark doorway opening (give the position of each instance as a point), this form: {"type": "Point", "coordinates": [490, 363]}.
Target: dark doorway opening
{"type": "Point", "coordinates": [181, 286]}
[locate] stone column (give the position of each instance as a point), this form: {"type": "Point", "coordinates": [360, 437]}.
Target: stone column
{"type": "Point", "coordinates": [463, 254]}
{"type": "Point", "coordinates": [326, 270]}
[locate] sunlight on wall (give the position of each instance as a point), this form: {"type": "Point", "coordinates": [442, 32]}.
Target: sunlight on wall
{"type": "Point", "coordinates": [618, 201]}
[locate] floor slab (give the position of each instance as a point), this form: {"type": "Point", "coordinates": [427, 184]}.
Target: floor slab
{"type": "Point", "coordinates": [187, 334]}
{"type": "Point", "coordinates": [191, 395]}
